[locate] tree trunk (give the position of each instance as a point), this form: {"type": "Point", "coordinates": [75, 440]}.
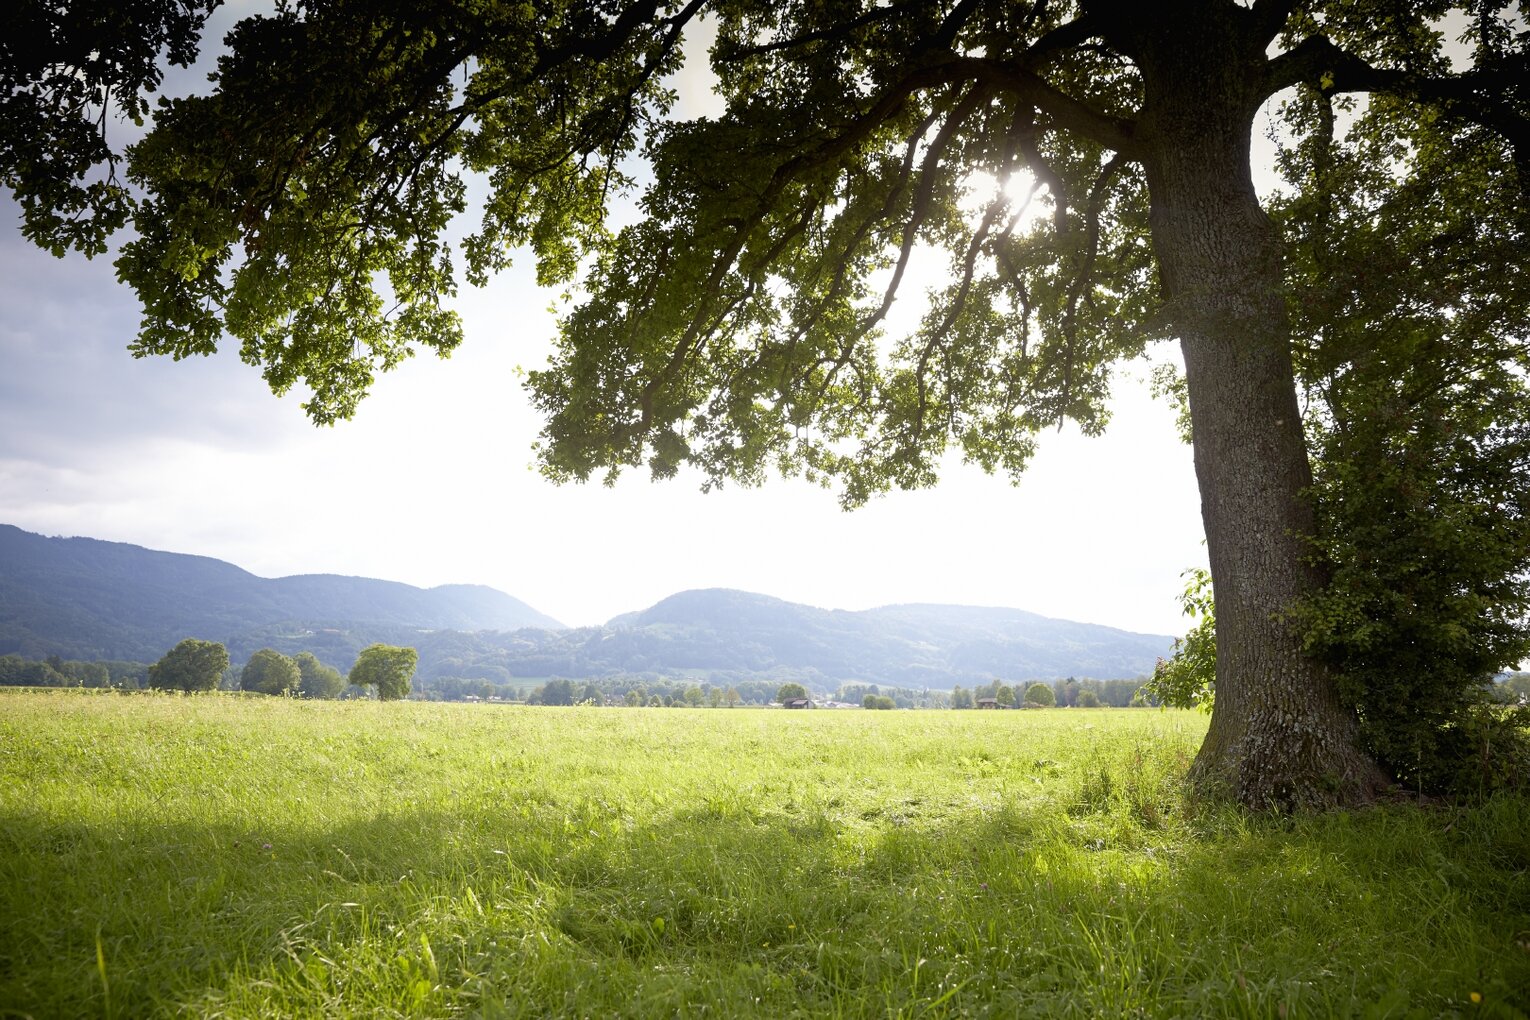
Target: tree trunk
{"type": "Point", "coordinates": [1280, 736]}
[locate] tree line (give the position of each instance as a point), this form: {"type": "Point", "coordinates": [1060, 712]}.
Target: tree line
{"type": "Point", "coordinates": [196, 666]}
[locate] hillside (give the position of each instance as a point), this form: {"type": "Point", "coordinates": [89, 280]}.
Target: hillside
{"type": "Point", "coordinates": [81, 598]}
{"type": "Point", "coordinates": [88, 599]}
{"type": "Point", "coordinates": [910, 645]}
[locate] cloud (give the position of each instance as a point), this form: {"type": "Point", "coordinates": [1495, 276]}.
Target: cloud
{"type": "Point", "coordinates": [70, 393]}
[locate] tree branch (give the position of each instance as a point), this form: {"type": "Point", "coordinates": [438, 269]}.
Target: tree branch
{"type": "Point", "coordinates": [1492, 96]}
{"type": "Point", "coordinates": [1070, 114]}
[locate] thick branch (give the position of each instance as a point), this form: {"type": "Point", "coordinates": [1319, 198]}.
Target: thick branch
{"type": "Point", "coordinates": [1490, 96]}
{"type": "Point", "coordinates": [1066, 112]}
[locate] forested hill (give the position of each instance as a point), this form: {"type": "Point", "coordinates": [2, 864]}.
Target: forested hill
{"type": "Point", "coordinates": [81, 598]}
{"type": "Point", "coordinates": [910, 645]}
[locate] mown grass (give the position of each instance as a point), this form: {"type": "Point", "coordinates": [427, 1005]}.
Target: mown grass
{"type": "Point", "coordinates": [235, 857]}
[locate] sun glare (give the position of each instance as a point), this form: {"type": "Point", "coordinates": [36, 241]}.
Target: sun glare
{"type": "Point", "coordinates": [1020, 191]}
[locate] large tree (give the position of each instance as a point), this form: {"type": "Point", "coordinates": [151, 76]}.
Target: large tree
{"type": "Point", "coordinates": [317, 680]}
{"type": "Point", "coordinates": [299, 206]}
{"type": "Point", "coordinates": [388, 668]}
{"type": "Point", "coordinates": [193, 665]}
{"type": "Point", "coordinates": [270, 672]}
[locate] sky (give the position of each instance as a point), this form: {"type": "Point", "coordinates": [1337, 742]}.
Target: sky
{"type": "Point", "coordinates": [433, 482]}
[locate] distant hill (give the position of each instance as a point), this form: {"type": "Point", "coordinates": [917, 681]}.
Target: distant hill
{"type": "Point", "coordinates": [729, 636]}
{"type": "Point", "coordinates": [80, 598]}
{"type": "Point", "coordinates": [909, 645]}
{"type": "Point", "coordinates": [83, 598]}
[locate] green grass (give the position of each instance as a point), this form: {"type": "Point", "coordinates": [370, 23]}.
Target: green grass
{"type": "Point", "coordinates": [241, 857]}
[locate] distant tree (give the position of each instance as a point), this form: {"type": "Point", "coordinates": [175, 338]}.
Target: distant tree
{"type": "Point", "coordinates": [962, 698]}
{"type": "Point", "coordinates": [1088, 699]}
{"type": "Point", "coordinates": [316, 680]}
{"type": "Point", "coordinates": [1040, 695]}
{"type": "Point", "coordinates": [634, 699]}
{"type": "Point", "coordinates": [884, 703]}
{"type": "Point", "coordinates": [733, 697]}
{"type": "Point", "coordinates": [557, 692]}
{"type": "Point", "coordinates": [693, 696]}
{"type": "Point", "coordinates": [86, 674]}
{"type": "Point", "coordinates": [869, 701]}
{"type": "Point", "coordinates": [1006, 696]}
{"type": "Point", "coordinates": [1140, 698]}
{"type": "Point", "coordinates": [591, 695]}
{"type": "Point", "coordinates": [192, 665]}
{"type": "Point", "coordinates": [270, 672]}
{"type": "Point", "coordinates": [387, 668]}
{"type": "Point", "coordinates": [654, 701]}
{"type": "Point", "coordinates": [788, 691]}
{"type": "Point", "coordinates": [18, 672]}
{"type": "Point", "coordinates": [714, 697]}
{"type": "Point", "coordinates": [128, 675]}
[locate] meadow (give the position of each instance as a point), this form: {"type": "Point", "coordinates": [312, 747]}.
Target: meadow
{"type": "Point", "coordinates": [247, 857]}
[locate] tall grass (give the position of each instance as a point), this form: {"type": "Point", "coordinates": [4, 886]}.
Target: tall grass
{"type": "Point", "coordinates": [216, 856]}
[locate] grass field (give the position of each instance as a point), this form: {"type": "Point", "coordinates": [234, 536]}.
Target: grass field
{"type": "Point", "coordinates": [241, 857]}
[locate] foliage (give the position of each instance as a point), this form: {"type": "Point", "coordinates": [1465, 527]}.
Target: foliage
{"type": "Point", "coordinates": [555, 692]}
{"type": "Point", "coordinates": [1188, 678]}
{"type": "Point", "coordinates": [62, 68]}
{"type": "Point", "coordinates": [16, 671]}
{"type": "Point", "coordinates": [1412, 346]}
{"type": "Point", "coordinates": [1041, 695]}
{"type": "Point", "coordinates": [317, 680]}
{"type": "Point", "coordinates": [387, 668]}
{"type": "Point", "coordinates": [555, 865]}
{"type": "Point", "coordinates": [878, 702]}
{"type": "Point", "coordinates": [270, 672]}
{"type": "Point", "coordinates": [1088, 699]}
{"type": "Point", "coordinates": [192, 665]}
{"type": "Point", "coordinates": [787, 692]}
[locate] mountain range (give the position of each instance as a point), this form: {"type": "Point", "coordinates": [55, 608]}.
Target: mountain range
{"type": "Point", "coordinates": [81, 598]}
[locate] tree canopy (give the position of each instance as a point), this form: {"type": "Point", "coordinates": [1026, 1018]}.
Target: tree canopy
{"type": "Point", "coordinates": [387, 668]}
{"type": "Point", "coordinates": [1040, 695]}
{"type": "Point", "coordinates": [790, 691]}
{"type": "Point", "coordinates": [270, 672]}
{"type": "Point", "coordinates": [192, 665]}
{"type": "Point", "coordinates": [733, 318]}
{"type": "Point", "coordinates": [317, 680]}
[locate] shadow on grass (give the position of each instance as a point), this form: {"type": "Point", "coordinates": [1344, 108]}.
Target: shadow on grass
{"type": "Point", "coordinates": [1007, 908]}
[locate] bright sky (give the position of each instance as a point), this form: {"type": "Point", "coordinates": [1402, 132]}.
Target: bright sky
{"type": "Point", "coordinates": [432, 482]}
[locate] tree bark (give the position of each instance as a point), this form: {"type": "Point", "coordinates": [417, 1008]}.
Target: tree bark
{"type": "Point", "coordinates": [1280, 736]}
